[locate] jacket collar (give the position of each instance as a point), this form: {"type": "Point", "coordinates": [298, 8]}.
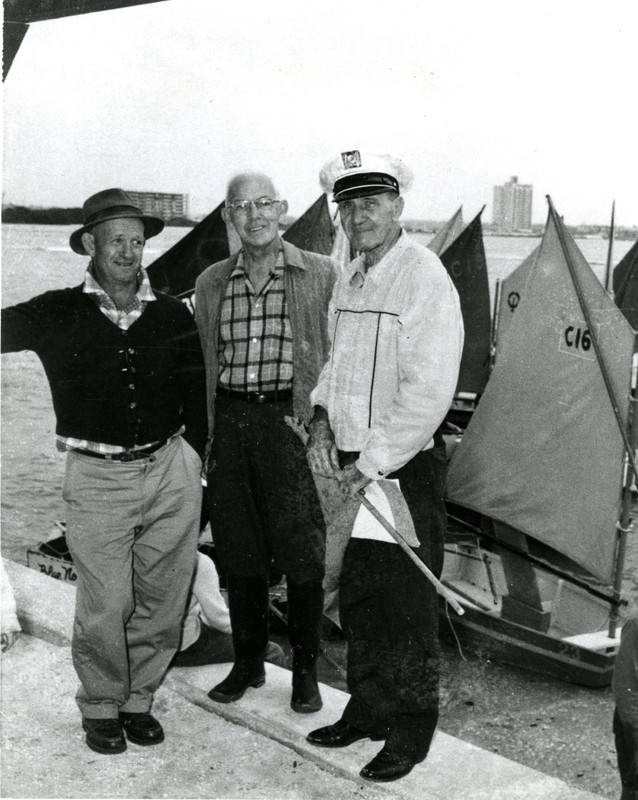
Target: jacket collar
{"type": "Point", "coordinates": [292, 256]}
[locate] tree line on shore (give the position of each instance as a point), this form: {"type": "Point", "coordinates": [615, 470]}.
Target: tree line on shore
{"type": "Point", "coordinates": [73, 216]}
{"type": "Point", "coordinates": [61, 216]}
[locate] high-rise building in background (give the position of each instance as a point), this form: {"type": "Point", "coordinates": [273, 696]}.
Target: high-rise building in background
{"type": "Point", "coordinates": [513, 206]}
{"type": "Point", "coordinates": [165, 205]}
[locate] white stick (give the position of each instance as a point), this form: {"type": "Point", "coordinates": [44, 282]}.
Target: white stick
{"type": "Point", "coordinates": [413, 556]}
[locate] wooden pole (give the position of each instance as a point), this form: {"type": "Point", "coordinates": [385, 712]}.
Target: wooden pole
{"type": "Point", "coordinates": [495, 321]}
{"type": "Point", "coordinates": [610, 249]}
{"type": "Point", "coordinates": [629, 483]}
{"type": "Point", "coordinates": [442, 590]}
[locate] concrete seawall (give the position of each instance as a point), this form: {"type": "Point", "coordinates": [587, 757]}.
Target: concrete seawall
{"type": "Point", "coordinates": [254, 748]}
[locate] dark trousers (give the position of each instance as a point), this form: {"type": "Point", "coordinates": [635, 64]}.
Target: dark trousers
{"type": "Point", "coordinates": [626, 738]}
{"type": "Point", "coordinates": [389, 614]}
{"type": "Point", "coordinates": [264, 507]}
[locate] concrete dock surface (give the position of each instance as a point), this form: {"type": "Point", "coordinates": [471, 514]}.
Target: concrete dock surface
{"type": "Point", "coordinates": [254, 748]}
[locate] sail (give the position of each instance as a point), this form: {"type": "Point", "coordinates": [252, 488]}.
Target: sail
{"type": "Point", "coordinates": [313, 230]}
{"type": "Point", "coordinates": [625, 285]}
{"type": "Point", "coordinates": [513, 291]}
{"type": "Point", "coordinates": [543, 452]}
{"type": "Point", "coordinates": [342, 253]}
{"type": "Point", "coordinates": [465, 261]}
{"type": "Point", "coordinates": [176, 270]}
{"type": "Point", "coordinates": [444, 237]}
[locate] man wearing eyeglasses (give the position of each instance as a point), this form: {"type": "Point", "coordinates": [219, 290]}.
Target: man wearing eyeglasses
{"type": "Point", "coordinates": [262, 318]}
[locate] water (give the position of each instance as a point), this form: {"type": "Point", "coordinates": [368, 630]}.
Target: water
{"type": "Point", "coordinates": [37, 258]}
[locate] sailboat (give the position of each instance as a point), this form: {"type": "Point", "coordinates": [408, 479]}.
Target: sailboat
{"type": "Point", "coordinates": [464, 259]}
{"type": "Point", "coordinates": [625, 285]}
{"type": "Point", "coordinates": [176, 270]}
{"type": "Point", "coordinates": [313, 230]}
{"type": "Point", "coordinates": [447, 233]}
{"type": "Point", "coordinates": [539, 487]}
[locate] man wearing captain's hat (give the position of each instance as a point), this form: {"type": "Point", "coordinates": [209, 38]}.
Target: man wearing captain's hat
{"type": "Point", "coordinates": [126, 373]}
{"type": "Point", "coordinates": [397, 337]}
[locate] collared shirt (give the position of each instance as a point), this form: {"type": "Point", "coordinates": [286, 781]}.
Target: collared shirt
{"type": "Point", "coordinates": [123, 318]}
{"type": "Point", "coordinates": [255, 335]}
{"type": "Point", "coordinates": [397, 339]}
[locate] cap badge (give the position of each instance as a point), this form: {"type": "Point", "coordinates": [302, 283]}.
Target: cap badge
{"type": "Point", "coordinates": [351, 159]}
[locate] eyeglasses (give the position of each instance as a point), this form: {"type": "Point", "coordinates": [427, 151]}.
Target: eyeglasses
{"type": "Point", "coordinates": [261, 204]}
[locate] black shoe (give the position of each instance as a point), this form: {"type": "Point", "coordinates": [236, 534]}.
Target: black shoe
{"type": "Point", "coordinates": [239, 679]}
{"type": "Point", "coordinates": [305, 693]}
{"type": "Point", "coordinates": [104, 736]}
{"type": "Point", "coordinates": [341, 734]}
{"type": "Point", "coordinates": [388, 765]}
{"type": "Point", "coordinates": [141, 728]}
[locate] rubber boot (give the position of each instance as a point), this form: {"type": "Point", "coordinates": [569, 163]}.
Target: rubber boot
{"type": "Point", "coordinates": [248, 606]}
{"type": "Point", "coordinates": [305, 611]}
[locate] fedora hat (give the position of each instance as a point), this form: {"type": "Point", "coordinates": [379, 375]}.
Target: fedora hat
{"type": "Point", "coordinates": [111, 204]}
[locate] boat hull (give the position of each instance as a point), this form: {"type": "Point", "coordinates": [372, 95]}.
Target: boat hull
{"type": "Point", "coordinates": [510, 643]}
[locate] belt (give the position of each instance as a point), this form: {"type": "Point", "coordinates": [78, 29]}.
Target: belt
{"type": "Point", "coordinates": [127, 455]}
{"type": "Point", "coordinates": [278, 396]}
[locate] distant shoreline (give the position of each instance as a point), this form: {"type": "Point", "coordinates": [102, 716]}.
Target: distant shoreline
{"type": "Point", "coordinates": [24, 215]}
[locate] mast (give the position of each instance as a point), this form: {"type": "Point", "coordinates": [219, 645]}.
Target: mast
{"type": "Point", "coordinates": [610, 249]}
{"type": "Point", "coordinates": [495, 321]}
{"type": "Point", "coordinates": [629, 481]}
{"type": "Point", "coordinates": [630, 451]}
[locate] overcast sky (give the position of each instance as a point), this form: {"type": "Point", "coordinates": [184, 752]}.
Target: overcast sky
{"type": "Point", "coordinates": [178, 95]}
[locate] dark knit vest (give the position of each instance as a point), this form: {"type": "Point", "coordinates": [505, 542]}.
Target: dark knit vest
{"type": "Point", "coordinates": [108, 385]}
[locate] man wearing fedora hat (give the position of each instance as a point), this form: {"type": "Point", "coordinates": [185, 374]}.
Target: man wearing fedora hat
{"type": "Point", "coordinates": [125, 369]}
{"type": "Point", "coordinates": [395, 316]}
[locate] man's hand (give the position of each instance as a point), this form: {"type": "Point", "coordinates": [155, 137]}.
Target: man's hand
{"type": "Point", "coordinates": [352, 481]}
{"type": "Point", "coordinates": [321, 448]}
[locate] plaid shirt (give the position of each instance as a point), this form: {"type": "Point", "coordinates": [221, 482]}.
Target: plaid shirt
{"type": "Point", "coordinates": [255, 336]}
{"type": "Point", "coordinates": [123, 318]}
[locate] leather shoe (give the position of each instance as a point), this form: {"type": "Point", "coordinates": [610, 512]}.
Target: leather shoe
{"type": "Point", "coordinates": [389, 765]}
{"type": "Point", "coordinates": [141, 728]}
{"type": "Point", "coordinates": [104, 736]}
{"type": "Point", "coordinates": [306, 698]}
{"type": "Point", "coordinates": [341, 734]}
{"type": "Point", "coordinates": [239, 679]}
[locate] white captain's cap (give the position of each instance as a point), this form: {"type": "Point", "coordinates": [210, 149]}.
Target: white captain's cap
{"type": "Point", "coordinates": [359, 174]}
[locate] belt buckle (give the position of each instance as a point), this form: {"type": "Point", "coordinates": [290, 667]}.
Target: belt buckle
{"type": "Point", "coordinates": [128, 456]}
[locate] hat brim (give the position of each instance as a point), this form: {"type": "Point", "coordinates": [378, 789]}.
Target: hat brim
{"type": "Point", "coordinates": [152, 226]}
{"type": "Point", "coordinates": [361, 191]}
{"type": "Point", "coordinates": [363, 184]}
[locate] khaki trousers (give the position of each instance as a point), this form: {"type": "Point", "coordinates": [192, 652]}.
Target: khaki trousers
{"type": "Point", "coordinates": [132, 531]}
